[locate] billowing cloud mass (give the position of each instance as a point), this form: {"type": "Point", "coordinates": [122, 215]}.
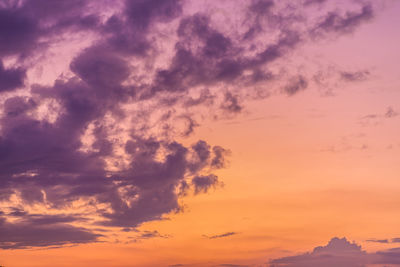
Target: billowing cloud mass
{"type": "Point", "coordinates": [97, 98]}
{"type": "Point", "coordinates": [339, 252]}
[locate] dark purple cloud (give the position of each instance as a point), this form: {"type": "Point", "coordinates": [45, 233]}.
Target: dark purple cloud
{"type": "Point", "coordinates": [141, 13]}
{"type": "Point", "coordinates": [344, 23]}
{"type": "Point", "coordinates": [104, 133]}
{"type": "Point", "coordinates": [25, 24]}
{"type": "Point", "coordinates": [203, 183]}
{"type": "Point", "coordinates": [231, 103]}
{"type": "Point", "coordinates": [42, 231]}
{"type": "Point", "coordinates": [11, 78]}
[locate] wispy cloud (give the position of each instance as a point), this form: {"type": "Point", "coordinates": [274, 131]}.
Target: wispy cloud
{"type": "Point", "coordinates": [221, 235]}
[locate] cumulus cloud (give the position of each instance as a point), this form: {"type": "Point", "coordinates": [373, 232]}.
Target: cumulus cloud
{"type": "Point", "coordinates": [103, 136]}
{"type": "Point", "coordinates": [339, 252]}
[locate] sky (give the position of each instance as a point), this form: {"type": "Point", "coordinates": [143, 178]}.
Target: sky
{"type": "Point", "coordinates": [199, 133]}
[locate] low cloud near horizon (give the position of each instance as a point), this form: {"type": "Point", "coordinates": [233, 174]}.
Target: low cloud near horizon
{"type": "Point", "coordinates": [339, 252]}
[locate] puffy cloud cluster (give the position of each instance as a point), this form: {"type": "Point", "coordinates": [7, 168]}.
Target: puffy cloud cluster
{"type": "Point", "coordinates": [339, 252]}
{"type": "Point", "coordinates": [99, 148]}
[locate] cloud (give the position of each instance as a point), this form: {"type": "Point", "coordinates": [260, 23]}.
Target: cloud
{"type": "Point", "coordinates": [11, 78]}
{"type": "Point", "coordinates": [222, 235]}
{"type": "Point", "coordinates": [295, 85]}
{"type": "Point", "coordinates": [391, 113]}
{"type": "Point", "coordinates": [344, 23]}
{"type": "Point", "coordinates": [151, 234]}
{"type": "Point", "coordinates": [355, 76]}
{"type": "Point", "coordinates": [376, 118]}
{"type": "Point", "coordinates": [339, 252]}
{"type": "Point", "coordinates": [139, 76]}
{"type": "Point", "coordinates": [231, 103]}
{"type": "Point", "coordinates": [145, 235]}
{"type": "Point", "coordinates": [24, 25]}
{"type": "Point", "coordinates": [383, 241]}
{"type": "Point", "coordinates": [42, 231]}
{"type": "Point", "coordinates": [314, 2]}
{"type": "Point", "coordinates": [203, 183]}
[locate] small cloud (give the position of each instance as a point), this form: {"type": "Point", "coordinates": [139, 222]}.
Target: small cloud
{"type": "Point", "coordinates": [221, 235]}
{"type": "Point", "coordinates": [296, 85]}
{"type": "Point", "coordinates": [384, 241]}
{"type": "Point", "coordinates": [355, 76]}
{"type": "Point", "coordinates": [203, 183]}
{"type": "Point", "coordinates": [152, 234]}
{"type": "Point", "coordinates": [376, 118]}
{"type": "Point", "coordinates": [314, 2]}
{"type": "Point", "coordinates": [391, 113]}
{"type": "Point", "coordinates": [231, 103]}
{"type": "Point", "coordinates": [232, 265]}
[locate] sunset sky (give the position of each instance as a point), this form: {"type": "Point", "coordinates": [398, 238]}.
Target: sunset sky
{"type": "Point", "coordinates": [199, 133]}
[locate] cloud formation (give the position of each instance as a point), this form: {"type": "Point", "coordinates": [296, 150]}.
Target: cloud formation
{"type": "Point", "coordinates": [221, 235]}
{"type": "Point", "coordinates": [105, 136]}
{"type": "Point", "coordinates": [339, 252]}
